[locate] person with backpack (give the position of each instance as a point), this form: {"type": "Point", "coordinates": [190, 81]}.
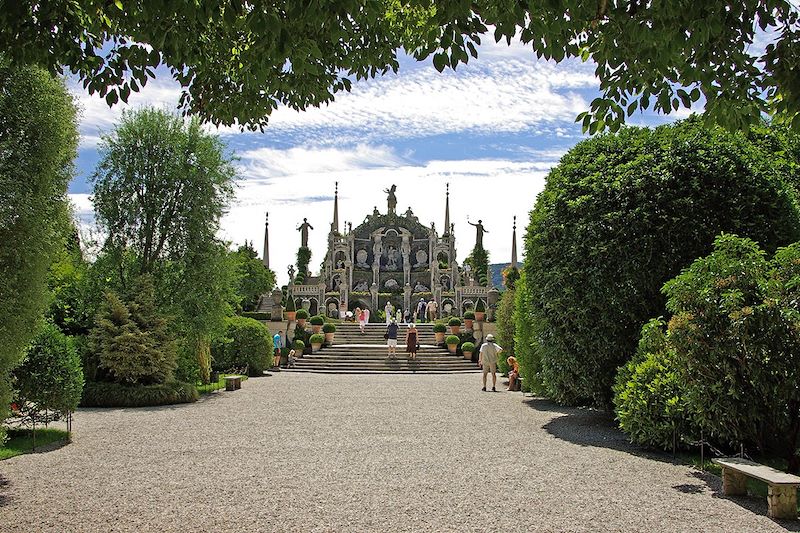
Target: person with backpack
{"type": "Point", "coordinates": [391, 337]}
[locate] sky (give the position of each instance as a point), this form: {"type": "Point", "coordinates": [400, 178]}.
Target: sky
{"type": "Point", "coordinates": [492, 129]}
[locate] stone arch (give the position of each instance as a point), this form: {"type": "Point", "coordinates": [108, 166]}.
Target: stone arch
{"type": "Point", "coordinates": [448, 303]}
{"type": "Point", "coordinates": [332, 307]}
{"type": "Point", "coordinates": [467, 305]}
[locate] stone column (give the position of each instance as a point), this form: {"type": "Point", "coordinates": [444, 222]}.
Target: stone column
{"type": "Point", "coordinates": [407, 297]}
{"type": "Point", "coordinates": [374, 293]}
{"type": "Point", "coordinates": [276, 314]}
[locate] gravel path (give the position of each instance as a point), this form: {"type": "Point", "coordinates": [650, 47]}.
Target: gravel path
{"type": "Point", "coordinates": [360, 453]}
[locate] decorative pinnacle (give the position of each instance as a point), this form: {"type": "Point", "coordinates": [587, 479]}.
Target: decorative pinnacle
{"type": "Point", "coordinates": [448, 189]}
{"type": "Point", "coordinates": [515, 221]}
{"type": "Point", "coordinates": [266, 222]}
{"type": "Point", "coordinates": [336, 191]}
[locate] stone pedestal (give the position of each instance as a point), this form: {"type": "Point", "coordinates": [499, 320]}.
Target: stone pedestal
{"type": "Point", "coordinates": [782, 502]}
{"type": "Point", "coordinates": [733, 483]}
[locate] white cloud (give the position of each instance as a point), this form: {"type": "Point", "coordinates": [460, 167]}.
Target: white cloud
{"type": "Point", "coordinates": [491, 190]}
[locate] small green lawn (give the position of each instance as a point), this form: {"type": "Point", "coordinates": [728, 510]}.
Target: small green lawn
{"type": "Point", "coordinates": [220, 384]}
{"type": "Point", "coordinates": [21, 440]}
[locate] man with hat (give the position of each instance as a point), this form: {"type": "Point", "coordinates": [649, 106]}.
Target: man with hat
{"type": "Point", "coordinates": [488, 360]}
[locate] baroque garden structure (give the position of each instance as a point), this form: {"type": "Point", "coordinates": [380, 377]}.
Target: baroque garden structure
{"type": "Point", "coordinates": [392, 257]}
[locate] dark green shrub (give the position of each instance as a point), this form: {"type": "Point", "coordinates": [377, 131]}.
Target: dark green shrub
{"type": "Point", "coordinates": [439, 328]}
{"type": "Point", "coordinates": [469, 315]}
{"type": "Point", "coordinates": [99, 394]}
{"type": "Point", "coordinates": [455, 321]}
{"type": "Point", "coordinates": [317, 320]}
{"type": "Point", "coordinates": [736, 337]}
{"type": "Point", "coordinates": [649, 394]}
{"type": "Point", "coordinates": [480, 307]}
{"type": "Point", "coordinates": [256, 315]}
{"type": "Point", "coordinates": [247, 344]}
{"type": "Point", "coordinates": [468, 347]}
{"type": "Point", "coordinates": [299, 345]}
{"type": "Point", "coordinates": [329, 328]}
{"type": "Point", "coordinates": [505, 328]}
{"type": "Point", "coordinates": [619, 216]}
{"type": "Point", "coordinates": [50, 376]}
{"type": "Point", "coordinates": [301, 314]}
{"type": "Point", "coordinates": [317, 338]}
{"type": "Point", "coordinates": [290, 305]}
{"type": "Point", "coordinates": [526, 349]}
{"type": "Point", "coordinates": [452, 339]}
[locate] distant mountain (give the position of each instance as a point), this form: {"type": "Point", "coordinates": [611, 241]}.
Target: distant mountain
{"type": "Point", "coordinates": [497, 275]}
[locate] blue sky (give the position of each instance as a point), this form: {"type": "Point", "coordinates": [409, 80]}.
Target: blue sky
{"type": "Point", "coordinates": [492, 129]}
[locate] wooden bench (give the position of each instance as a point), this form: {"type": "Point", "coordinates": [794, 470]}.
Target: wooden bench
{"type": "Point", "coordinates": [233, 382]}
{"type": "Point", "coordinates": [782, 492]}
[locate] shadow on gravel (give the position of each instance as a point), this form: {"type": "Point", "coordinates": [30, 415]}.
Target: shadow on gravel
{"type": "Point", "coordinates": [4, 484]}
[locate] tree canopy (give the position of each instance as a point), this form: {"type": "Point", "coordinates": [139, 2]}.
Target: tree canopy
{"type": "Point", "coordinates": [238, 61]}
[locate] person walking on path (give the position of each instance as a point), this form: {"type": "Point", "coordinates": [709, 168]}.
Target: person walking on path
{"type": "Point", "coordinates": [361, 320]}
{"type": "Point", "coordinates": [388, 311]}
{"type": "Point", "coordinates": [391, 338]}
{"type": "Point", "coordinates": [421, 310]}
{"type": "Point", "coordinates": [488, 360]}
{"type": "Point", "coordinates": [430, 310]}
{"type": "Point", "coordinates": [277, 344]}
{"type": "Point", "coordinates": [412, 341]}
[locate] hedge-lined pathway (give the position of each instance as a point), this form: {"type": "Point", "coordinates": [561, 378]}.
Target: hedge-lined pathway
{"type": "Point", "coordinates": [306, 452]}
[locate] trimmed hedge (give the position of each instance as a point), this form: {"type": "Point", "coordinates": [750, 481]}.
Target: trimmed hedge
{"type": "Point", "coordinates": [455, 321]}
{"type": "Point", "coordinates": [439, 328]}
{"type": "Point", "coordinates": [329, 328]}
{"type": "Point", "coordinates": [468, 347]}
{"type": "Point", "coordinates": [317, 338]}
{"type": "Point", "coordinates": [317, 320]}
{"type": "Point", "coordinates": [452, 339]}
{"type": "Point", "coordinates": [301, 314]}
{"type": "Point", "coordinates": [101, 394]}
{"type": "Point", "coordinates": [299, 345]}
{"type": "Point", "coordinates": [247, 343]}
{"type": "Point", "coordinates": [469, 315]}
{"type": "Point", "coordinates": [619, 216]}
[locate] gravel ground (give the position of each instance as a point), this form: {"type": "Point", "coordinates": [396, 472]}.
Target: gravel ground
{"type": "Point", "coordinates": [309, 452]}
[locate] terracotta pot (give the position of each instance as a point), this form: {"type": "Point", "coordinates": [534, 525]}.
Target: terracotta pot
{"type": "Point", "coordinates": [315, 329]}
{"type": "Point", "coordinates": [452, 348]}
{"type": "Point", "coordinates": [329, 337]}
{"type": "Point", "coordinates": [455, 330]}
{"type": "Point", "coordinates": [315, 346]}
{"type": "Point", "coordinates": [290, 315]}
{"type": "Point", "coordinates": [480, 316]}
{"type": "Point", "coordinates": [468, 323]}
{"type": "Point", "coordinates": [467, 356]}
{"type": "Point", "coordinates": [301, 322]}
{"type": "Point", "coordinates": [439, 337]}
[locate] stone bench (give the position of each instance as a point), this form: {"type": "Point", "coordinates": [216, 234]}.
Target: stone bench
{"type": "Point", "coordinates": [233, 382]}
{"type": "Point", "coordinates": [782, 492]}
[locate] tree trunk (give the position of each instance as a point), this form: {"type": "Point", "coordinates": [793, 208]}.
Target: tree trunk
{"type": "Point", "coordinates": [203, 352]}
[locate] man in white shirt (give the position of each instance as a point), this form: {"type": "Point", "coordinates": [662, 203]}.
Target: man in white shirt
{"type": "Point", "coordinates": [488, 360]}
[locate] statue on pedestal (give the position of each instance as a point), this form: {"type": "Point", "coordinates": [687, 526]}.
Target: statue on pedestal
{"type": "Point", "coordinates": [479, 231]}
{"type": "Point", "coordinates": [303, 229]}
{"type": "Point", "coordinates": [392, 200]}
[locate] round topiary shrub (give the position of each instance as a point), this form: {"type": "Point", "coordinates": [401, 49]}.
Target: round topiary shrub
{"type": "Point", "coordinates": [247, 343]}
{"type": "Point", "coordinates": [100, 394]}
{"type": "Point", "coordinates": [50, 376]}
{"type": "Point", "coordinates": [455, 321]}
{"type": "Point", "coordinates": [452, 340]}
{"type": "Point", "coordinates": [301, 314]}
{"type": "Point", "coordinates": [317, 338]}
{"type": "Point", "coordinates": [317, 320]}
{"type": "Point", "coordinates": [619, 216]}
{"type": "Point", "coordinates": [469, 315]}
{"type": "Point", "coordinates": [439, 328]}
{"type": "Point", "coordinates": [329, 328]}
{"type": "Point", "coordinates": [299, 346]}
{"type": "Point", "coordinates": [468, 347]}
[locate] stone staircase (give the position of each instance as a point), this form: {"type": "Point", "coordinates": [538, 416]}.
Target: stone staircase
{"type": "Point", "coordinates": [354, 353]}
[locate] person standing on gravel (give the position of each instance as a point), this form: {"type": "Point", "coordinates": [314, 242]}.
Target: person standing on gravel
{"type": "Point", "coordinates": [391, 338]}
{"type": "Point", "coordinates": [488, 360]}
{"type": "Point", "coordinates": [277, 344]}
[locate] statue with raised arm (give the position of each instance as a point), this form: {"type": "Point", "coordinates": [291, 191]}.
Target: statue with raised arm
{"type": "Point", "coordinates": [479, 231]}
{"type": "Point", "coordinates": [392, 200]}
{"type": "Point", "coordinates": [303, 229]}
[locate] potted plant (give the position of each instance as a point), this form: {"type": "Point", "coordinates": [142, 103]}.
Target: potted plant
{"type": "Point", "coordinates": [302, 316]}
{"type": "Point", "coordinates": [455, 325]}
{"type": "Point", "coordinates": [316, 323]}
{"type": "Point", "coordinates": [480, 311]}
{"type": "Point", "coordinates": [469, 317]}
{"type": "Point", "coordinates": [290, 309]}
{"type": "Point", "coordinates": [439, 330]}
{"type": "Point", "coordinates": [329, 329]}
{"type": "Point", "coordinates": [299, 347]}
{"type": "Point", "coordinates": [452, 343]}
{"type": "Point", "coordinates": [316, 341]}
{"type": "Point", "coordinates": [467, 348]}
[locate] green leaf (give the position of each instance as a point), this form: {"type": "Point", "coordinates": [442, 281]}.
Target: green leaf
{"type": "Point", "coordinates": [440, 61]}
